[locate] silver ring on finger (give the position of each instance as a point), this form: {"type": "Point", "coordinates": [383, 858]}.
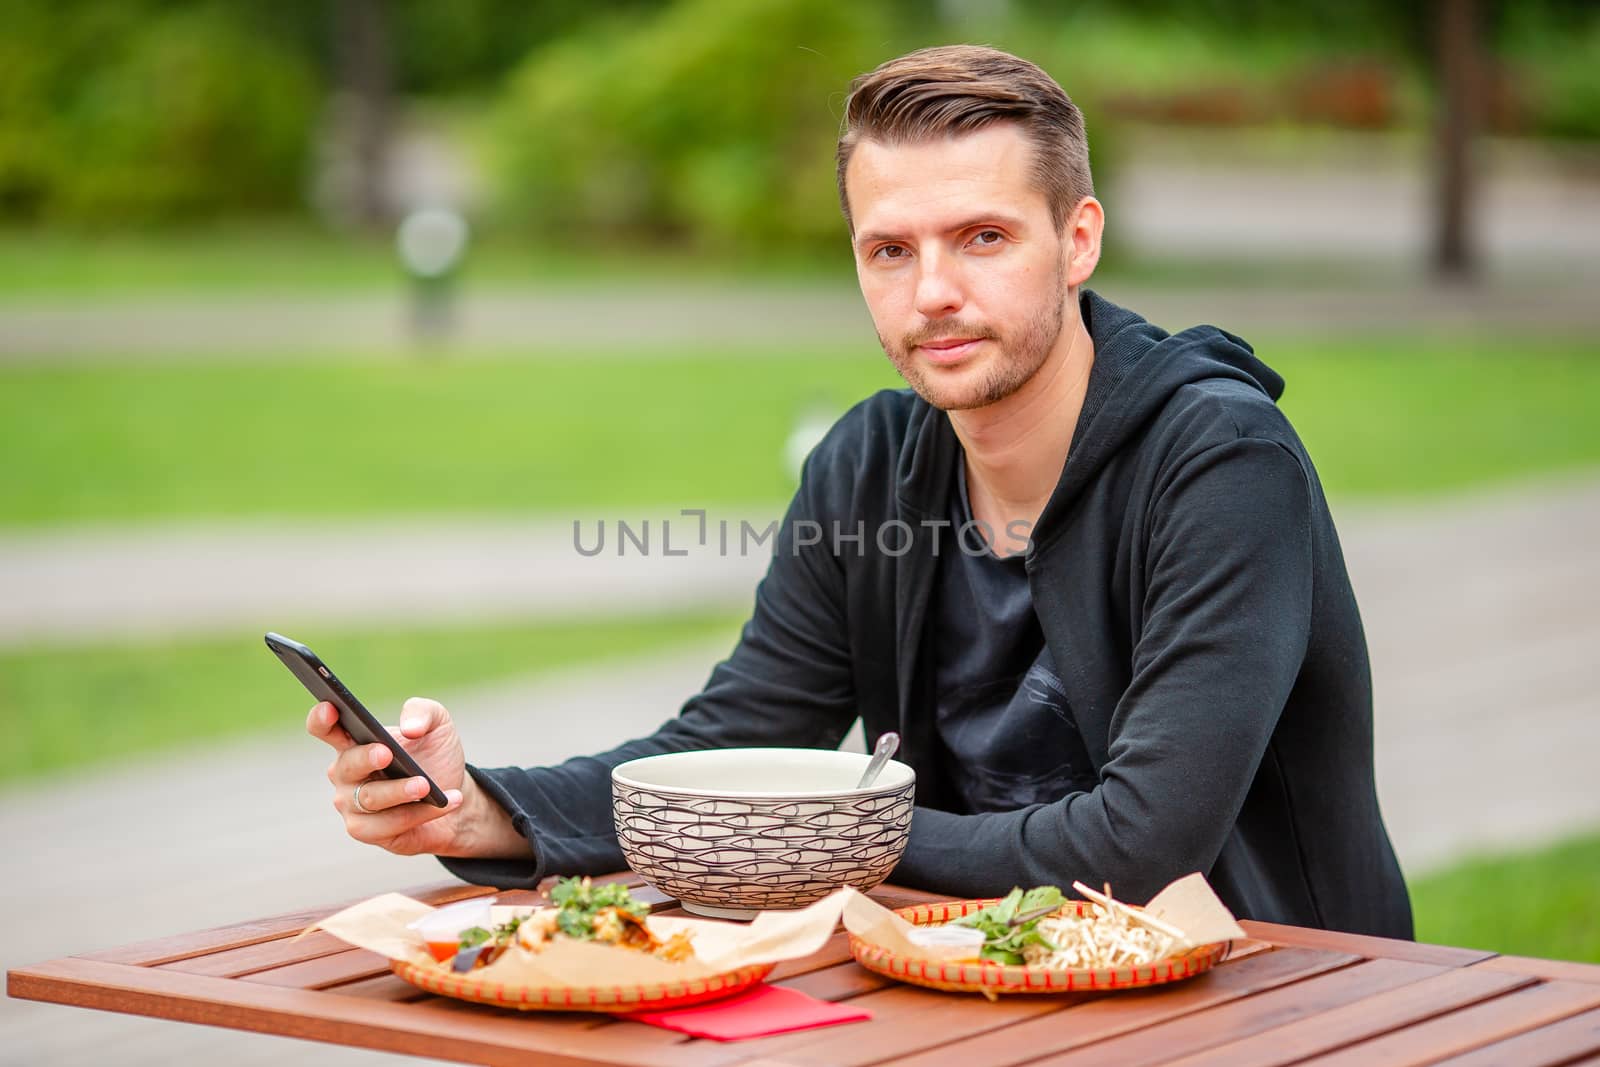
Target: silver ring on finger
{"type": "Point", "coordinates": [356, 799]}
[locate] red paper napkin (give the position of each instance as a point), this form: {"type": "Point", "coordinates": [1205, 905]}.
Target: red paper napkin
{"type": "Point", "coordinates": [759, 1012]}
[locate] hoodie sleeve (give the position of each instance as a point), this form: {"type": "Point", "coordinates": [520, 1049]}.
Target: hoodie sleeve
{"type": "Point", "coordinates": [788, 683]}
{"type": "Point", "coordinates": [1224, 629]}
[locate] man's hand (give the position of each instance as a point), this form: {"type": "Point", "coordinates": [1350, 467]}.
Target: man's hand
{"type": "Point", "coordinates": [472, 824]}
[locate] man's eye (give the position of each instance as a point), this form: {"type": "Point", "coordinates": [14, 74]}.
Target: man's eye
{"type": "Point", "coordinates": [988, 238]}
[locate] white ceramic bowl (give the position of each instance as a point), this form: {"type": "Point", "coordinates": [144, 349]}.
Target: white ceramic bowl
{"type": "Point", "coordinates": [733, 831]}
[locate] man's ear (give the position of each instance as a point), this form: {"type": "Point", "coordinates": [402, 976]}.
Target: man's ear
{"type": "Point", "coordinates": [1083, 232]}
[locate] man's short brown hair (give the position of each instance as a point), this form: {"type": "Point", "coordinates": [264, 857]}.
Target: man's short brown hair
{"type": "Point", "coordinates": [960, 89]}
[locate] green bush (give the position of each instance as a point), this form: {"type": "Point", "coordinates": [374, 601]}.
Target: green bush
{"type": "Point", "coordinates": [714, 121]}
{"type": "Point", "coordinates": [1558, 63]}
{"type": "Point", "coordinates": [149, 114]}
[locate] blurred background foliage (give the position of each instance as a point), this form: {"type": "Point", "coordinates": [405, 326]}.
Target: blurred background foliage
{"type": "Point", "coordinates": [702, 123]}
{"type": "Point", "coordinates": [113, 113]}
{"type": "Point", "coordinates": [696, 123]}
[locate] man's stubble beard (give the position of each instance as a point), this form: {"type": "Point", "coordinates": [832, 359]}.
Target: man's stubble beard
{"type": "Point", "coordinates": [1019, 359]}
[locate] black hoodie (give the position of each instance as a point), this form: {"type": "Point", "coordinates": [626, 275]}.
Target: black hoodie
{"type": "Point", "coordinates": [1193, 597]}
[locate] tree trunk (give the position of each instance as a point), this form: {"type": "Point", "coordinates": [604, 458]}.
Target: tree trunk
{"type": "Point", "coordinates": [361, 48]}
{"type": "Point", "coordinates": [1458, 55]}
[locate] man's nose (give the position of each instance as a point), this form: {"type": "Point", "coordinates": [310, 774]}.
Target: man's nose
{"type": "Point", "coordinates": [938, 287]}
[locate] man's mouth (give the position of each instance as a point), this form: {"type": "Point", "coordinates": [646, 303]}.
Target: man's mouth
{"type": "Point", "coordinates": [950, 349]}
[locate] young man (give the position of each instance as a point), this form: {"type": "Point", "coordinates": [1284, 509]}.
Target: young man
{"type": "Point", "coordinates": [1099, 593]}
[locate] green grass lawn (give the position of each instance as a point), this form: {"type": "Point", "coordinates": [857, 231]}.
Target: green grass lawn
{"type": "Point", "coordinates": [1403, 417]}
{"type": "Point", "coordinates": [321, 435]}
{"type": "Point", "coordinates": [1544, 902]}
{"type": "Point", "coordinates": [326, 437]}
{"type": "Point", "coordinates": [78, 705]}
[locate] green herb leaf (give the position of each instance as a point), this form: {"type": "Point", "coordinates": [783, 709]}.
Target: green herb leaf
{"type": "Point", "coordinates": [1003, 943]}
{"type": "Point", "coordinates": [1045, 896]}
{"type": "Point", "coordinates": [1006, 910]}
{"type": "Point", "coordinates": [576, 924]}
{"type": "Point", "coordinates": [473, 936]}
{"type": "Point", "coordinates": [580, 901]}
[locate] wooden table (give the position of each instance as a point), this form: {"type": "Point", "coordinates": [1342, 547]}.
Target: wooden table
{"type": "Point", "coordinates": [1288, 995]}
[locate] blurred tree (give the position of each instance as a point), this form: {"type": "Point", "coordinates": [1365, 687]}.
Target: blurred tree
{"type": "Point", "coordinates": [674, 116]}
{"type": "Point", "coordinates": [1554, 47]}
{"type": "Point", "coordinates": [1460, 99]}
{"type": "Point", "coordinates": [713, 121]}
{"type": "Point", "coordinates": [468, 46]}
{"type": "Point", "coordinates": [146, 112]}
{"type": "Point", "coordinates": [363, 50]}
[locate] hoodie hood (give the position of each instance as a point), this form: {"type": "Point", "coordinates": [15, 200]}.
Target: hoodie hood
{"type": "Point", "coordinates": [1140, 366]}
{"type": "Point", "coordinates": [1136, 363]}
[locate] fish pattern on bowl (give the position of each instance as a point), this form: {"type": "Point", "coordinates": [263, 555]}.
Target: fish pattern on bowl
{"type": "Point", "coordinates": [731, 857]}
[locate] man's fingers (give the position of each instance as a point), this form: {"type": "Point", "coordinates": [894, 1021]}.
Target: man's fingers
{"type": "Point", "coordinates": [357, 763]}
{"type": "Point", "coordinates": [393, 821]}
{"type": "Point", "coordinates": [322, 722]}
{"type": "Point", "coordinates": [381, 794]}
{"type": "Point", "coordinates": [418, 715]}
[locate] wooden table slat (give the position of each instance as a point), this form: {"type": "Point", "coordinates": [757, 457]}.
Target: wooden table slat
{"type": "Point", "coordinates": [1364, 944]}
{"type": "Point", "coordinates": [1460, 1032]}
{"type": "Point", "coordinates": [433, 1027]}
{"type": "Point", "coordinates": [1552, 1046]}
{"type": "Point", "coordinates": [1369, 1017]}
{"type": "Point", "coordinates": [834, 951]}
{"type": "Point", "coordinates": [238, 935]}
{"type": "Point", "coordinates": [837, 983]}
{"type": "Point", "coordinates": [1249, 1015]}
{"type": "Point", "coordinates": [901, 896]}
{"type": "Point", "coordinates": [447, 1008]}
{"type": "Point", "coordinates": [1248, 946]}
{"type": "Point", "coordinates": [324, 972]}
{"type": "Point", "coordinates": [904, 1019]}
{"type": "Point", "coordinates": [1562, 969]}
{"type": "Point", "coordinates": [1084, 1018]}
{"type": "Point", "coordinates": [387, 986]}
{"type": "Point", "coordinates": [248, 959]}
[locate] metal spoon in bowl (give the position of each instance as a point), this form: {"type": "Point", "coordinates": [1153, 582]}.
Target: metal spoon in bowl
{"type": "Point", "coordinates": [887, 745]}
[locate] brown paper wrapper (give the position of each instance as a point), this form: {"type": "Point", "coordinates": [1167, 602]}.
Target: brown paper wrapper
{"type": "Point", "coordinates": [1189, 904]}
{"type": "Point", "coordinates": [379, 925]}
{"type": "Point", "coordinates": [883, 941]}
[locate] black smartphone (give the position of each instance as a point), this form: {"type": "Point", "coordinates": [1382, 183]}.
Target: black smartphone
{"type": "Point", "coordinates": [357, 721]}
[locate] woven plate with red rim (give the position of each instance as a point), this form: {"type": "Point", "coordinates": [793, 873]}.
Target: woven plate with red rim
{"type": "Point", "coordinates": [619, 998]}
{"type": "Point", "coordinates": [993, 978]}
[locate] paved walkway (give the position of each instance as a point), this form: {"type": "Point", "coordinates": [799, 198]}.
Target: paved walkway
{"type": "Point", "coordinates": [1482, 619]}
{"type": "Point", "coordinates": [1480, 613]}
{"type": "Point", "coordinates": [123, 582]}
{"type": "Point", "coordinates": [1347, 197]}
{"type": "Point", "coordinates": [760, 318]}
